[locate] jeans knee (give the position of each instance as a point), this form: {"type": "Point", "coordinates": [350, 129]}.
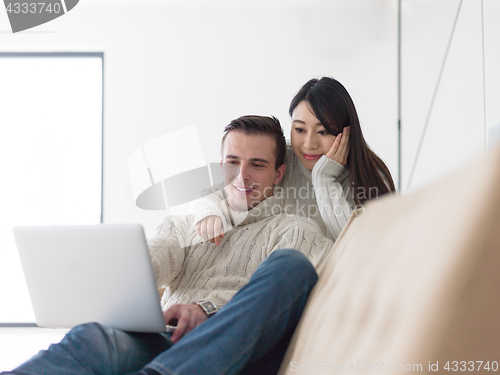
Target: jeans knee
{"type": "Point", "coordinates": [295, 266]}
{"type": "Point", "coordinates": [288, 256]}
{"type": "Point", "coordinates": [89, 327]}
{"type": "Point", "coordinates": [91, 331]}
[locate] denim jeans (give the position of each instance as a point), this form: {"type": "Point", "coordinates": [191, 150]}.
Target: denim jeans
{"type": "Point", "coordinates": [247, 336]}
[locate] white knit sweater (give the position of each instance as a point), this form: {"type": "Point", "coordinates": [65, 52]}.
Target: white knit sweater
{"type": "Point", "coordinates": [193, 270]}
{"type": "Point", "coordinates": [319, 194]}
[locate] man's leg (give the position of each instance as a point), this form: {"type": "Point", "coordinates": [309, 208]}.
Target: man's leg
{"type": "Point", "coordinates": [96, 349]}
{"type": "Point", "coordinates": [251, 333]}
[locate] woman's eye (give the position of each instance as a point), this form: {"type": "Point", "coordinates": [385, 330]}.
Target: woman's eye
{"type": "Point", "coordinates": [299, 130]}
{"type": "Point", "coordinates": [323, 132]}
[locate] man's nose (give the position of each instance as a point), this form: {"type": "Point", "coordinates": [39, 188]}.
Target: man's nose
{"type": "Point", "coordinates": [244, 172]}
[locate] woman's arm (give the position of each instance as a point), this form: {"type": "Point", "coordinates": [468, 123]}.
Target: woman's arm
{"type": "Point", "coordinates": [331, 186]}
{"type": "Point", "coordinates": [205, 207]}
{"type": "Point", "coordinates": [209, 221]}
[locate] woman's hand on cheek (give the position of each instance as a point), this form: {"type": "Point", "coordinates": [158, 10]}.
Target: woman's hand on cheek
{"type": "Point", "coordinates": [340, 148]}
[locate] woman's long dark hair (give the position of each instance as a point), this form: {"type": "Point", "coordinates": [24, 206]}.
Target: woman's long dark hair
{"type": "Point", "coordinates": [333, 107]}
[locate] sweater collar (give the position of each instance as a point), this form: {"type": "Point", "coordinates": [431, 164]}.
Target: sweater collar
{"type": "Point", "coordinates": [268, 207]}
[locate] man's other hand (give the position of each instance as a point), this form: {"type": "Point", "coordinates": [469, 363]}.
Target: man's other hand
{"type": "Point", "coordinates": [187, 316]}
{"type": "Point", "coordinates": [210, 228]}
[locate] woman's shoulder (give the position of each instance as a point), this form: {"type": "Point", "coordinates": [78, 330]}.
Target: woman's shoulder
{"type": "Point", "coordinates": [292, 172]}
{"type": "Point", "coordinates": [289, 151]}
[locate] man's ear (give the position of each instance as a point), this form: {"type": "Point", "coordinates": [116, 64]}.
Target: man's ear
{"type": "Point", "coordinates": [221, 168]}
{"type": "Point", "coordinates": [280, 172]}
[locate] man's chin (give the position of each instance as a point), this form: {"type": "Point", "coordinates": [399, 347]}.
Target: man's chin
{"type": "Point", "coordinates": [235, 205]}
{"type": "Point", "coordinates": [237, 202]}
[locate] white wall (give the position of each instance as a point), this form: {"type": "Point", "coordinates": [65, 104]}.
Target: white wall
{"type": "Point", "coordinates": [457, 126]}
{"type": "Point", "coordinates": [172, 64]}
{"type": "Point", "coordinates": [175, 64]}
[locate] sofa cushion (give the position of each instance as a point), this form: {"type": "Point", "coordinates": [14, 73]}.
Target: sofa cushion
{"type": "Point", "coordinates": [413, 281]}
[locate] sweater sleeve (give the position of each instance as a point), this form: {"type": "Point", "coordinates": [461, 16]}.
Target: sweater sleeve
{"type": "Point", "coordinates": [331, 181]}
{"type": "Point", "coordinates": [206, 206]}
{"type": "Point", "coordinates": [167, 251]}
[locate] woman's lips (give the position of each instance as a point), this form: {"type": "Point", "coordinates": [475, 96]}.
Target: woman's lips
{"type": "Point", "coordinates": [311, 156]}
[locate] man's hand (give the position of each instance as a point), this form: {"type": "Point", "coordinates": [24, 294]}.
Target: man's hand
{"type": "Point", "coordinates": [187, 316]}
{"type": "Point", "coordinates": [210, 228]}
{"type": "Point", "coordinates": [340, 148]}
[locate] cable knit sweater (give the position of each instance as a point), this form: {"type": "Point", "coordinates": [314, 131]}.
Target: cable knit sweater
{"type": "Point", "coordinates": [319, 194]}
{"type": "Point", "coordinates": [192, 270]}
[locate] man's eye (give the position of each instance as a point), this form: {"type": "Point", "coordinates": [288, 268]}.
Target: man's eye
{"type": "Point", "coordinates": [258, 165]}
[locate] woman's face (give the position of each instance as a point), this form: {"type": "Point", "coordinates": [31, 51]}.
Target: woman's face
{"type": "Point", "coordinates": [309, 137]}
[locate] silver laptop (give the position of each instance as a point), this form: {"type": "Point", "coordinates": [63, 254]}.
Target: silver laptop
{"type": "Point", "coordinates": [90, 273]}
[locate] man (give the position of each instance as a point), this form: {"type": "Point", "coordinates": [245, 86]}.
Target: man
{"type": "Point", "coordinates": [249, 334]}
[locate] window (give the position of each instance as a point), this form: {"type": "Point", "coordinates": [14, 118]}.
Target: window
{"type": "Point", "coordinates": [50, 154]}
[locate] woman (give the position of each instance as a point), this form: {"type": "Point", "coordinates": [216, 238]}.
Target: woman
{"type": "Point", "coordinates": [330, 168]}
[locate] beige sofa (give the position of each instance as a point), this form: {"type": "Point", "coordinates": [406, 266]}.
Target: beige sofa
{"type": "Point", "coordinates": [412, 285]}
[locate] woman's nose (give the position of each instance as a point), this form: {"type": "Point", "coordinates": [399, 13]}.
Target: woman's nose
{"type": "Point", "coordinates": [310, 142]}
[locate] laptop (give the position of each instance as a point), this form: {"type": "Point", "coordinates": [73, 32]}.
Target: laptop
{"type": "Point", "coordinates": [90, 273]}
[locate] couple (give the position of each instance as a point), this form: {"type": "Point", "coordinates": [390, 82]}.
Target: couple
{"type": "Point", "coordinates": [235, 306]}
{"type": "Point", "coordinates": [251, 331]}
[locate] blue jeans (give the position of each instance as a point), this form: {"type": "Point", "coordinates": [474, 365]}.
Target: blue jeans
{"type": "Point", "coordinates": [247, 336]}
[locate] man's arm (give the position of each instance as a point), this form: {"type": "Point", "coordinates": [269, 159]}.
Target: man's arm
{"type": "Point", "coordinates": [167, 249]}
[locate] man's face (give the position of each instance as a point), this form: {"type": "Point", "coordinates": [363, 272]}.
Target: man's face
{"type": "Point", "coordinates": [248, 166]}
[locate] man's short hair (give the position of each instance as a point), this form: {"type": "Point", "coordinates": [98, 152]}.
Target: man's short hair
{"type": "Point", "coordinates": [260, 125]}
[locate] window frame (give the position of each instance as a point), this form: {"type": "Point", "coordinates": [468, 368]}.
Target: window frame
{"type": "Point", "coordinates": [65, 55]}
